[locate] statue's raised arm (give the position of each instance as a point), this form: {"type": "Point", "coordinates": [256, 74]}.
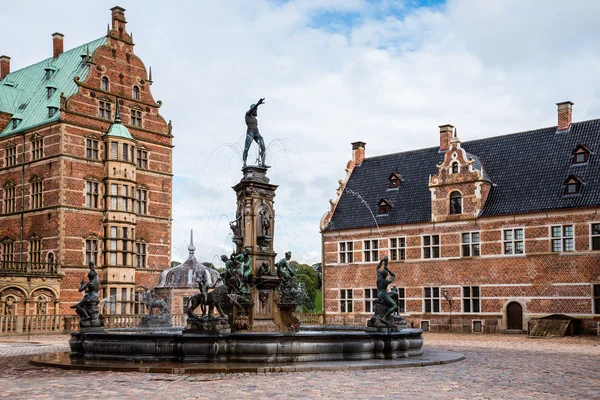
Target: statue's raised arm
{"type": "Point", "coordinates": [252, 134]}
{"type": "Point", "coordinates": [254, 107]}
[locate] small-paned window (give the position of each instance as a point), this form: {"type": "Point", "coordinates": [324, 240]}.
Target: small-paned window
{"type": "Point", "coordinates": [91, 149]}
{"type": "Point", "coordinates": [36, 194]}
{"type": "Point", "coordinates": [562, 238]}
{"type": "Point", "coordinates": [124, 198]}
{"type": "Point", "coordinates": [91, 251]}
{"type": "Point", "coordinates": [371, 250]}
{"type": "Point", "coordinates": [581, 155]}
{"type": "Point", "coordinates": [136, 118]}
{"type": "Point", "coordinates": [91, 194]}
{"type": "Point", "coordinates": [11, 156]}
{"type": "Point", "coordinates": [141, 197]}
{"type": "Point", "coordinates": [397, 249]}
{"type": "Point", "coordinates": [455, 203]}
{"type": "Point", "coordinates": [37, 148]}
{"type": "Point", "coordinates": [142, 159]}
{"type": "Point", "coordinates": [125, 152]}
{"type": "Point", "coordinates": [105, 85]}
{"type": "Point", "coordinates": [35, 250]}
{"type": "Point", "coordinates": [346, 252]}
{"type": "Point", "coordinates": [572, 185]}
{"type": "Point", "coordinates": [114, 150]}
{"type": "Point", "coordinates": [595, 234]}
{"type": "Point", "coordinates": [10, 194]}
{"type": "Point", "coordinates": [455, 167]}
{"type": "Point", "coordinates": [470, 244]}
{"type": "Point", "coordinates": [384, 207]}
{"type": "Point", "coordinates": [140, 255]}
{"type": "Point", "coordinates": [114, 192]}
{"type": "Point", "coordinates": [113, 303]}
{"type": "Point", "coordinates": [394, 181]}
{"type": "Point", "coordinates": [471, 299]}
{"type": "Point", "coordinates": [431, 246]}
{"type": "Point", "coordinates": [7, 252]}
{"type": "Point", "coordinates": [596, 290]}
{"type": "Point", "coordinates": [401, 300]}
{"type": "Point", "coordinates": [104, 110]}
{"type": "Point", "coordinates": [512, 240]}
{"type": "Point", "coordinates": [136, 93]}
{"type": "Point", "coordinates": [370, 297]}
{"type": "Point", "coordinates": [431, 299]}
{"type": "Point", "coordinates": [346, 300]}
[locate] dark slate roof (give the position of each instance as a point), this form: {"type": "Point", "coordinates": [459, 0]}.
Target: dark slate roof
{"type": "Point", "coordinates": [528, 170]}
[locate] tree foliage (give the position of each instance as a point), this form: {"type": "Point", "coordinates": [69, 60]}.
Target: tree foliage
{"type": "Point", "coordinates": [308, 284]}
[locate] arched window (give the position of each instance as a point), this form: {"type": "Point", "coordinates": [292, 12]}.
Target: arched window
{"type": "Point", "coordinates": [455, 168]}
{"type": "Point", "coordinates": [51, 258]}
{"type": "Point", "coordinates": [136, 93]}
{"type": "Point", "coordinates": [105, 83]}
{"type": "Point", "coordinates": [455, 203]}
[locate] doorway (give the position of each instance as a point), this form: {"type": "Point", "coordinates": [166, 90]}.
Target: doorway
{"type": "Point", "coordinates": [514, 316]}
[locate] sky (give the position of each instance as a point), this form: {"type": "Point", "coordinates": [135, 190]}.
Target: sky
{"type": "Point", "coordinates": [333, 72]}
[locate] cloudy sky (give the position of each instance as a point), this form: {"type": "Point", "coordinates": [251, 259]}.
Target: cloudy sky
{"type": "Point", "coordinates": [333, 71]}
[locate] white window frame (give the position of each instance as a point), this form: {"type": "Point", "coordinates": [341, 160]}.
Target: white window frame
{"type": "Point", "coordinates": [513, 241]}
{"type": "Point", "coordinates": [371, 252]}
{"type": "Point", "coordinates": [470, 244]}
{"type": "Point", "coordinates": [432, 299]}
{"type": "Point", "coordinates": [370, 295]}
{"type": "Point", "coordinates": [395, 252]}
{"type": "Point", "coordinates": [346, 252]}
{"type": "Point", "coordinates": [592, 235]}
{"type": "Point", "coordinates": [562, 239]}
{"type": "Point", "coordinates": [470, 299]}
{"type": "Point", "coordinates": [346, 300]}
{"type": "Point", "coordinates": [431, 246]}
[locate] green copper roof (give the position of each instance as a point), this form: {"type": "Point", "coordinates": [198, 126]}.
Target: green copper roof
{"type": "Point", "coordinates": [24, 93]}
{"type": "Point", "coordinates": [119, 130]}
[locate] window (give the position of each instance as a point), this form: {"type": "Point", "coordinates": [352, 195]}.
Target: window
{"type": "Point", "coordinates": [7, 251]}
{"type": "Point", "coordinates": [11, 156]}
{"type": "Point", "coordinates": [51, 91]}
{"type": "Point", "coordinates": [15, 122]}
{"type": "Point", "coordinates": [52, 111]}
{"type": "Point", "coordinates": [10, 194]}
{"type": "Point", "coordinates": [595, 233]}
{"type": "Point", "coordinates": [114, 150]}
{"type": "Point", "coordinates": [431, 299]}
{"type": "Point", "coordinates": [371, 250]}
{"type": "Point", "coordinates": [123, 301]}
{"type": "Point", "coordinates": [370, 297]}
{"type": "Point", "coordinates": [384, 207]}
{"type": "Point", "coordinates": [470, 244]}
{"type": "Point", "coordinates": [37, 148]}
{"type": "Point", "coordinates": [425, 326]}
{"type": "Point", "coordinates": [49, 73]}
{"type": "Point", "coordinates": [125, 152]}
{"type": "Point", "coordinates": [471, 299]}
{"type": "Point", "coordinates": [140, 255]}
{"type": "Point", "coordinates": [455, 203]}
{"type": "Point", "coordinates": [394, 181]}
{"type": "Point", "coordinates": [185, 304]}
{"type": "Point", "coordinates": [346, 300]}
{"type": "Point", "coordinates": [105, 85]}
{"type": "Point", "coordinates": [113, 300]}
{"type": "Point", "coordinates": [91, 149]}
{"type": "Point", "coordinates": [455, 168]}
{"type": "Point", "coordinates": [91, 251]}
{"type": "Point", "coordinates": [141, 197]}
{"type": "Point", "coordinates": [124, 198]}
{"type": "Point", "coordinates": [124, 246]}
{"type": "Point", "coordinates": [562, 238]}
{"type": "Point", "coordinates": [397, 249]}
{"type": "Point", "coordinates": [35, 250]}
{"type": "Point", "coordinates": [401, 300]}
{"type": "Point", "coordinates": [136, 118]}
{"type": "Point", "coordinates": [91, 194]}
{"type": "Point", "coordinates": [431, 246]}
{"type": "Point", "coordinates": [346, 253]}
{"type": "Point", "coordinates": [581, 154]}
{"type": "Point", "coordinates": [142, 159]}
{"type": "Point", "coordinates": [104, 109]}
{"type": "Point", "coordinates": [36, 194]}
{"type": "Point", "coordinates": [572, 185]}
{"type": "Point", "coordinates": [114, 192]}
{"type": "Point", "coordinates": [596, 299]}
{"type": "Point", "coordinates": [513, 241]}
{"type": "Point", "coordinates": [136, 93]}
{"type": "Point", "coordinates": [113, 246]}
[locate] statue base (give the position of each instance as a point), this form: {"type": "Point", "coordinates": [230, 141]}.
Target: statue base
{"type": "Point", "coordinates": [377, 320]}
{"type": "Point", "coordinates": [155, 321]}
{"type": "Point", "coordinates": [255, 173]}
{"type": "Point", "coordinates": [91, 329]}
{"type": "Point", "coordinates": [94, 322]}
{"type": "Point", "coordinates": [289, 323]}
{"type": "Point", "coordinates": [207, 326]}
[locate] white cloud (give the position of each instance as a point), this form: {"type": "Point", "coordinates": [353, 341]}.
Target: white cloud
{"type": "Point", "coordinates": [488, 67]}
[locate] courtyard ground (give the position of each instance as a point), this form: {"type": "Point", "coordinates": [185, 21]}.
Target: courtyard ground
{"type": "Point", "coordinates": [496, 367]}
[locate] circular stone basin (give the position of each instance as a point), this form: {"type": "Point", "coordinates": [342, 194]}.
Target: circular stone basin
{"type": "Point", "coordinates": [253, 347]}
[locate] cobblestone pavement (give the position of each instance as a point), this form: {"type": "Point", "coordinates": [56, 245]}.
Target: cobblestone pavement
{"type": "Point", "coordinates": [497, 367]}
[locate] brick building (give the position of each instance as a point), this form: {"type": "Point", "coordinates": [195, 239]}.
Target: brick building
{"type": "Point", "coordinates": [85, 175]}
{"type": "Point", "coordinates": [482, 235]}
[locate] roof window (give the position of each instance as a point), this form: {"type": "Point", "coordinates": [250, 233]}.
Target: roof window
{"type": "Point", "coordinates": [455, 203]}
{"type": "Point", "coordinates": [394, 181]}
{"type": "Point", "coordinates": [50, 91]}
{"type": "Point", "coordinates": [572, 185]}
{"type": "Point", "coordinates": [52, 111]}
{"type": "Point", "coordinates": [136, 93]}
{"type": "Point", "coordinates": [105, 83]}
{"type": "Point", "coordinates": [49, 72]}
{"type": "Point", "coordinates": [455, 167]}
{"type": "Point", "coordinates": [581, 154]}
{"type": "Point", "coordinates": [385, 207]}
{"type": "Point", "coordinates": [16, 122]}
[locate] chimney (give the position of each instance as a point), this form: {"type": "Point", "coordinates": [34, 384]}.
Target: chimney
{"type": "Point", "coordinates": [446, 135]}
{"type": "Point", "coordinates": [565, 115]}
{"type": "Point", "coordinates": [4, 66]}
{"type": "Point", "coordinates": [57, 44]}
{"type": "Point", "coordinates": [358, 152]}
{"type": "Point", "coordinates": [118, 19]}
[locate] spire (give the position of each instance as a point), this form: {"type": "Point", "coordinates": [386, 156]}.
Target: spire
{"type": "Point", "coordinates": [150, 76]}
{"type": "Point", "coordinates": [117, 113]}
{"type": "Point", "coordinates": [107, 29]}
{"type": "Point", "coordinates": [191, 247]}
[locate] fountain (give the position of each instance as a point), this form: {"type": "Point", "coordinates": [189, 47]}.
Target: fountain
{"type": "Point", "coordinates": [247, 312]}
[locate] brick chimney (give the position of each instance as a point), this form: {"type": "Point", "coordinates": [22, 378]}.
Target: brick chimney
{"type": "Point", "coordinates": [446, 134]}
{"type": "Point", "coordinates": [4, 66]}
{"type": "Point", "coordinates": [565, 115]}
{"type": "Point", "coordinates": [57, 44]}
{"type": "Point", "coordinates": [118, 19]}
{"type": "Point", "coordinates": [358, 152]}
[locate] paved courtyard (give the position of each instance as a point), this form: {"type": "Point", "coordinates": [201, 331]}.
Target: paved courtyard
{"type": "Point", "coordinates": [496, 367]}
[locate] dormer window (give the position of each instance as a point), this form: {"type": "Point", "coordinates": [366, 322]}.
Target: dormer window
{"type": "Point", "coordinates": [572, 185]}
{"type": "Point", "coordinates": [394, 181]}
{"type": "Point", "coordinates": [105, 85]}
{"type": "Point", "coordinates": [455, 203]}
{"type": "Point", "coordinates": [455, 167]}
{"type": "Point", "coordinates": [136, 93]}
{"type": "Point", "coordinates": [385, 207]}
{"type": "Point", "coordinates": [50, 91]}
{"type": "Point", "coordinates": [16, 122]}
{"type": "Point", "coordinates": [49, 73]}
{"type": "Point", "coordinates": [52, 111]}
{"type": "Point", "coordinates": [581, 155]}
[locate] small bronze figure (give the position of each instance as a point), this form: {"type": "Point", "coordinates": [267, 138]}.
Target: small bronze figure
{"type": "Point", "coordinates": [252, 134]}
{"type": "Point", "coordinates": [87, 308]}
{"type": "Point", "coordinates": [265, 222]}
{"type": "Point", "coordinates": [382, 294]}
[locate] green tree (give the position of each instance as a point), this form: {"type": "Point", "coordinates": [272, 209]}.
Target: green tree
{"type": "Point", "coordinates": [208, 265]}
{"type": "Point", "coordinates": [318, 268]}
{"type": "Point", "coordinates": [175, 263]}
{"type": "Point", "coordinates": [307, 284]}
